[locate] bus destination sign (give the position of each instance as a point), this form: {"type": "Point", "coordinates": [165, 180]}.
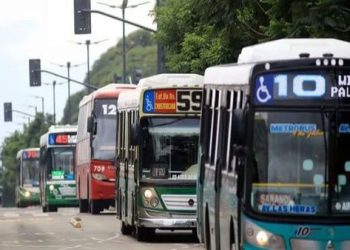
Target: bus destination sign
{"type": "Point", "coordinates": [296, 86]}
{"type": "Point", "coordinates": [62, 139]}
{"type": "Point", "coordinates": [32, 154]}
{"type": "Point", "coordinates": [172, 101]}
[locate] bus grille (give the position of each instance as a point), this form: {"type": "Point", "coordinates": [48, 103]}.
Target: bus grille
{"type": "Point", "coordinates": [180, 202]}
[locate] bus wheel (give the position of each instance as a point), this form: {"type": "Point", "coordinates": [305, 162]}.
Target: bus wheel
{"type": "Point", "coordinates": [83, 206]}
{"type": "Point", "coordinates": [144, 233]}
{"type": "Point", "coordinates": [126, 230]}
{"type": "Point", "coordinates": [45, 210]}
{"type": "Point", "coordinates": [194, 233]}
{"type": "Point", "coordinates": [52, 209]}
{"type": "Point", "coordinates": [207, 231]}
{"type": "Point", "coordinates": [94, 207]}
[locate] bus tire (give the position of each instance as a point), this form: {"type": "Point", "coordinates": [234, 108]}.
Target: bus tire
{"type": "Point", "coordinates": [143, 233]}
{"type": "Point", "coordinates": [45, 210]}
{"type": "Point", "coordinates": [125, 229]}
{"type": "Point", "coordinates": [83, 206]}
{"type": "Point", "coordinates": [51, 208]}
{"type": "Point", "coordinates": [207, 237]}
{"type": "Point", "coordinates": [94, 207]}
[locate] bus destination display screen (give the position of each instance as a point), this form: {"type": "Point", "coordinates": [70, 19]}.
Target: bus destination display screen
{"type": "Point", "coordinates": [62, 139]}
{"type": "Point", "coordinates": [298, 86]}
{"type": "Point", "coordinates": [32, 154]}
{"type": "Point", "coordinates": [172, 101]}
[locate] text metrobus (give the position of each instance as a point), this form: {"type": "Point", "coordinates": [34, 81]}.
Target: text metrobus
{"type": "Point", "coordinates": [157, 154]}
{"type": "Point", "coordinates": [57, 174]}
{"type": "Point", "coordinates": [274, 137]}
{"type": "Point", "coordinates": [95, 150]}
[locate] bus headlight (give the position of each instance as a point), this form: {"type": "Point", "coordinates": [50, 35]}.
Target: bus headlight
{"type": "Point", "coordinates": [51, 187]}
{"type": "Point", "coordinates": [148, 194]}
{"type": "Point", "coordinates": [99, 176]}
{"type": "Point", "coordinates": [259, 237]}
{"type": "Point", "coordinates": [27, 194]}
{"type": "Point", "coordinates": [150, 198]}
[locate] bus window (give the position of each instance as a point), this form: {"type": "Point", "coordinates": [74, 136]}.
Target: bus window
{"type": "Point", "coordinates": [170, 148]}
{"type": "Point", "coordinates": [62, 167]}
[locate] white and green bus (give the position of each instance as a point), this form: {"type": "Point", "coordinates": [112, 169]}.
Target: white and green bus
{"type": "Point", "coordinates": [27, 177]}
{"type": "Point", "coordinates": [57, 173]}
{"type": "Point", "coordinates": [157, 154]}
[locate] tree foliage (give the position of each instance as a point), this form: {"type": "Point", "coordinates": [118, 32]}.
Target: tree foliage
{"type": "Point", "coordinates": [201, 33]}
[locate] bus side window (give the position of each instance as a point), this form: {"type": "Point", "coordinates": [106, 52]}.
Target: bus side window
{"type": "Point", "coordinates": [231, 158]}
{"type": "Point", "coordinates": [207, 124]}
{"type": "Point", "coordinates": [214, 134]}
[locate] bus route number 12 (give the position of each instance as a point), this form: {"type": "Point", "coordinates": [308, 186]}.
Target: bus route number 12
{"type": "Point", "coordinates": [189, 100]}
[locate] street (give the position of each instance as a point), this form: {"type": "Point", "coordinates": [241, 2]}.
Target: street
{"type": "Point", "coordinates": [29, 228]}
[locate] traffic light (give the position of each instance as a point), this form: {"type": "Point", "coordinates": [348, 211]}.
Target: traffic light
{"type": "Point", "coordinates": [7, 111]}
{"type": "Point", "coordinates": [82, 20]}
{"type": "Point", "coordinates": [34, 73]}
{"type": "Point", "coordinates": [136, 76]}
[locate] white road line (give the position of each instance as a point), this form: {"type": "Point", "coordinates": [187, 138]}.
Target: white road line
{"type": "Point", "coordinates": [40, 215]}
{"type": "Point", "coordinates": [11, 215]}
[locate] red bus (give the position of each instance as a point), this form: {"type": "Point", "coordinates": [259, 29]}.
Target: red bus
{"type": "Point", "coordinates": [95, 149]}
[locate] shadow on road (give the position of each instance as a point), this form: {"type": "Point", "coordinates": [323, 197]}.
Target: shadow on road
{"type": "Point", "coordinates": [162, 236]}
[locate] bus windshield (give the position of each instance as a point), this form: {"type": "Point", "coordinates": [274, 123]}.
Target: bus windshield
{"type": "Point", "coordinates": [30, 172]}
{"type": "Point", "coordinates": [62, 163]}
{"type": "Point", "coordinates": [170, 148]}
{"type": "Point", "coordinates": [290, 174]}
{"type": "Point", "coordinates": [104, 139]}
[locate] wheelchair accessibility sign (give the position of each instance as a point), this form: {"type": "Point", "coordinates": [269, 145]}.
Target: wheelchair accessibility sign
{"type": "Point", "coordinates": [263, 90]}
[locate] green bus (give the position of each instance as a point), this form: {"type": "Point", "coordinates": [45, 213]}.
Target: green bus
{"type": "Point", "coordinates": [27, 177]}
{"type": "Point", "coordinates": [157, 149]}
{"type": "Point", "coordinates": [275, 163]}
{"type": "Point", "coordinates": [57, 173]}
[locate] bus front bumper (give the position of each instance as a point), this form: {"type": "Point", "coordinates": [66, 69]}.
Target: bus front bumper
{"type": "Point", "coordinates": [168, 223]}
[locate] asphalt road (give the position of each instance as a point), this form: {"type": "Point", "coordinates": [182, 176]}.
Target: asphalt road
{"type": "Point", "coordinates": [29, 229]}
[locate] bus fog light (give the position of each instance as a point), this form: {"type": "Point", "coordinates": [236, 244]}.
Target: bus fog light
{"type": "Point", "coordinates": [148, 194]}
{"type": "Point", "coordinates": [262, 238]}
{"type": "Point", "coordinates": [51, 187]}
{"type": "Point", "coordinates": [26, 194]}
{"type": "Point", "coordinates": [154, 202]}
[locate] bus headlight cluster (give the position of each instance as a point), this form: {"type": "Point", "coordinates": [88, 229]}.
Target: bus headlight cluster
{"type": "Point", "coordinates": [259, 237]}
{"type": "Point", "coordinates": [51, 187]}
{"type": "Point", "coordinates": [99, 176]}
{"type": "Point", "coordinates": [150, 198]}
{"type": "Point", "coordinates": [27, 194]}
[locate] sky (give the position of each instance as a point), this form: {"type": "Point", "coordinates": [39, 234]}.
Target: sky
{"type": "Point", "coordinates": [44, 29]}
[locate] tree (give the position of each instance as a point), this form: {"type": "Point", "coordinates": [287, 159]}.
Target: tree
{"type": "Point", "coordinates": [201, 33]}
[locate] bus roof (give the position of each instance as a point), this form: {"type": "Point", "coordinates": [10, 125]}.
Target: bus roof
{"type": "Point", "coordinates": [287, 49]}
{"type": "Point", "coordinates": [131, 98]}
{"type": "Point", "coordinates": [282, 49]}
{"type": "Point", "coordinates": [19, 153]}
{"type": "Point", "coordinates": [57, 129]}
{"type": "Point", "coordinates": [108, 91]}
{"type": "Point", "coordinates": [171, 80]}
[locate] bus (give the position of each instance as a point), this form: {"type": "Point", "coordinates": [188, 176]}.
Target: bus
{"type": "Point", "coordinates": [275, 167]}
{"type": "Point", "coordinates": [95, 151]}
{"type": "Point", "coordinates": [57, 176]}
{"type": "Point", "coordinates": [157, 150]}
{"type": "Point", "coordinates": [27, 177]}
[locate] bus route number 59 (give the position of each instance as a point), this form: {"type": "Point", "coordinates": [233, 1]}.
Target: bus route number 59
{"type": "Point", "coordinates": [189, 100]}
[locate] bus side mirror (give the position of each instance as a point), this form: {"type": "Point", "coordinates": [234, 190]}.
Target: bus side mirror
{"type": "Point", "coordinates": [134, 134]}
{"type": "Point", "coordinates": [91, 125]}
{"type": "Point", "coordinates": [239, 124]}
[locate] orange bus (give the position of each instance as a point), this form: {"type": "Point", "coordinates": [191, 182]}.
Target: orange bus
{"type": "Point", "coordinates": [95, 149]}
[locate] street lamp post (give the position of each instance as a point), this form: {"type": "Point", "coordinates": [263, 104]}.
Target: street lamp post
{"type": "Point", "coordinates": [68, 65]}
{"type": "Point", "coordinates": [54, 83]}
{"type": "Point", "coordinates": [123, 6]}
{"type": "Point", "coordinates": [88, 43]}
{"type": "Point", "coordinates": [42, 102]}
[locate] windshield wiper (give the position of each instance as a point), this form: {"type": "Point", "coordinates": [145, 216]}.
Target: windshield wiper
{"type": "Point", "coordinates": [326, 172]}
